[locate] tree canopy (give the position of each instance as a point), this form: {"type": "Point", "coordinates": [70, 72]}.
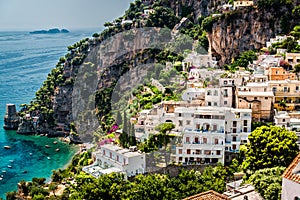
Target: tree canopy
{"type": "Point", "coordinates": [268, 182]}
{"type": "Point", "coordinates": [270, 147]}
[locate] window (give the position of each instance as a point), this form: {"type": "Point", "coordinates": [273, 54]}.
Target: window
{"type": "Point", "coordinates": [245, 129]}
{"type": "Point", "coordinates": [234, 147]}
{"type": "Point", "coordinates": [266, 98]}
{"type": "Point", "coordinates": [277, 72]}
{"type": "Point", "coordinates": [245, 122]}
{"type": "Point", "coordinates": [297, 88]}
{"type": "Point", "coordinates": [188, 151]}
{"type": "Point", "coordinates": [180, 151]}
{"type": "Point", "coordinates": [179, 122]}
{"type": "Point", "coordinates": [208, 93]}
{"type": "Point", "coordinates": [180, 158]}
{"type": "Point", "coordinates": [214, 127]}
{"type": "Point", "coordinates": [225, 93]}
{"type": "Point", "coordinates": [255, 98]}
{"type": "Point", "coordinates": [225, 102]}
{"type": "Point", "coordinates": [215, 104]}
{"type": "Point", "coordinates": [117, 158]}
{"type": "Point", "coordinates": [207, 152]}
{"type": "Point", "coordinates": [179, 114]}
{"type": "Point", "coordinates": [204, 140]}
{"type": "Point", "coordinates": [216, 141]}
{"type": "Point", "coordinates": [110, 154]}
{"type": "Point", "coordinates": [283, 120]}
{"type": "Point", "coordinates": [196, 140]}
{"type": "Point", "coordinates": [188, 122]}
{"type": "Point", "coordinates": [187, 139]}
{"type": "Point", "coordinates": [234, 123]}
{"type": "Point", "coordinates": [233, 138]}
{"type": "Point", "coordinates": [104, 152]}
{"type": "Point", "coordinates": [285, 89]}
{"type": "Point", "coordinates": [209, 103]}
{"type": "Point", "coordinates": [215, 93]}
{"type": "Point", "coordinates": [218, 152]}
{"type": "Point", "coordinates": [225, 82]}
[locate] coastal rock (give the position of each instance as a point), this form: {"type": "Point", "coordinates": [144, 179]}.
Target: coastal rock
{"type": "Point", "coordinates": [50, 31]}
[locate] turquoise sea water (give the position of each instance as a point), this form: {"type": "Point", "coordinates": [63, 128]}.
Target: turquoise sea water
{"type": "Point", "coordinates": [25, 61]}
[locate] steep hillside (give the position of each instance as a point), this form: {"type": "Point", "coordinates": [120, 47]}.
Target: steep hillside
{"type": "Point", "coordinates": [107, 57]}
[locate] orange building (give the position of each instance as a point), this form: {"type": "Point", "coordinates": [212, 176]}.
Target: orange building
{"type": "Point", "coordinates": [280, 74]}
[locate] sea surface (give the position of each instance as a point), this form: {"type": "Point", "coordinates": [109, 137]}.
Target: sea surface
{"type": "Point", "coordinates": [25, 61]}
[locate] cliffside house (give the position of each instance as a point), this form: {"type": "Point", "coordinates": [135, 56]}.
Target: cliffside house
{"type": "Point", "coordinates": [257, 97]}
{"type": "Point", "coordinates": [291, 180]}
{"type": "Point", "coordinates": [211, 132]}
{"type": "Point", "coordinates": [242, 3]}
{"type": "Point", "coordinates": [280, 74]}
{"type": "Point", "coordinates": [111, 158]}
{"type": "Point", "coordinates": [286, 94]}
{"type": "Point", "coordinates": [292, 58]}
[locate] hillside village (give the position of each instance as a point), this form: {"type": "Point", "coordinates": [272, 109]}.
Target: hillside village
{"type": "Point", "coordinates": [191, 122]}
{"type": "Point", "coordinates": [213, 122]}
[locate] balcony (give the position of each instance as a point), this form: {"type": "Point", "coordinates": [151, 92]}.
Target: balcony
{"type": "Point", "coordinates": [233, 142]}
{"type": "Point", "coordinates": [202, 155]}
{"type": "Point", "coordinates": [286, 94]}
{"type": "Point", "coordinates": [187, 130]}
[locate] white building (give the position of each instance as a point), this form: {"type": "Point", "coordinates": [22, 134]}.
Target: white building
{"type": "Point", "coordinates": [198, 60]}
{"type": "Point", "coordinates": [291, 180]}
{"type": "Point", "coordinates": [277, 39]}
{"type": "Point", "coordinates": [210, 132]}
{"type": "Point", "coordinates": [192, 94]}
{"type": "Point", "coordinates": [282, 119]}
{"type": "Point", "coordinates": [219, 96]}
{"type": "Point", "coordinates": [128, 161]}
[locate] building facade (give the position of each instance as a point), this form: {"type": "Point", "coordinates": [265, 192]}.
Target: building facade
{"type": "Point", "coordinates": [129, 161]}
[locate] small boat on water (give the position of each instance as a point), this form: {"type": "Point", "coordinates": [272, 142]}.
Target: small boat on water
{"type": "Point", "coordinates": [3, 171]}
{"type": "Point", "coordinates": [48, 158]}
{"type": "Point", "coordinates": [9, 166]}
{"type": "Point", "coordinates": [7, 147]}
{"type": "Point", "coordinates": [30, 154]}
{"type": "Point", "coordinates": [57, 149]}
{"type": "Point", "coordinates": [11, 161]}
{"type": "Point", "coordinates": [47, 146]}
{"type": "Point", "coordinates": [55, 142]}
{"type": "Point", "coordinates": [25, 172]}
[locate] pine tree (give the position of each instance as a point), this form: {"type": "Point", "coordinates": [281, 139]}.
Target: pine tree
{"type": "Point", "coordinates": [132, 139]}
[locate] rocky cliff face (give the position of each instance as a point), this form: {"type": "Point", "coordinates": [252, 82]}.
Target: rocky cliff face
{"type": "Point", "coordinates": [246, 29]}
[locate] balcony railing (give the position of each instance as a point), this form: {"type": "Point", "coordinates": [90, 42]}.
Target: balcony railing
{"type": "Point", "coordinates": [188, 130]}
{"type": "Point", "coordinates": [207, 143]}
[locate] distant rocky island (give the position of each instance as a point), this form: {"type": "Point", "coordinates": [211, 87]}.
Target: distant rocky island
{"type": "Point", "coordinates": [50, 31]}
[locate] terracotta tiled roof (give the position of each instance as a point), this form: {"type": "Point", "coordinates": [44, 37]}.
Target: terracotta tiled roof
{"type": "Point", "coordinates": [292, 172]}
{"type": "Point", "coordinates": [209, 195]}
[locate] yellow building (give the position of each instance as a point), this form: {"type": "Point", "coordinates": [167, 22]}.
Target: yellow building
{"type": "Point", "coordinates": [287, 94]}
{"type": "Point", "coordinates": [242, 3]}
